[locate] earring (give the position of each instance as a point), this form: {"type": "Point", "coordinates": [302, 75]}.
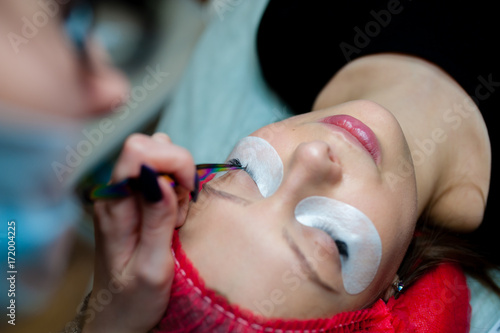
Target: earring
{"type": "Point", "coordinates": [398, 286]}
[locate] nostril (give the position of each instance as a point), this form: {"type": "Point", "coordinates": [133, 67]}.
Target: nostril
{"type": "Point", "coordinates": [317, 162]}
{"type": "Point", "coordinates": [331, 155]}
{"type": "Point", "coordinates": [317, 154]}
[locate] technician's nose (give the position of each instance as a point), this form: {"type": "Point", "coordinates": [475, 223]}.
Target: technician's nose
{"type": "Point", "coordinates": [313, 170]}
{"type": "Point", "coordinates": [107, 86]}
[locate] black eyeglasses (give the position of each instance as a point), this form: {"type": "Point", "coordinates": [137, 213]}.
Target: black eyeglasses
{"type": "Point", "coordinates": [78, 22]}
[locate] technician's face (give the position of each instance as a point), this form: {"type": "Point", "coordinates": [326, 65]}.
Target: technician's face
{"type": "Point", "coordinates": [254, 245]}
{"type": "Point", "coordinates": [42, 69]}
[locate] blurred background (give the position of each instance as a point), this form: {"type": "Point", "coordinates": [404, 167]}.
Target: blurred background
{"type": "Point", "coordinates": [151, 41]}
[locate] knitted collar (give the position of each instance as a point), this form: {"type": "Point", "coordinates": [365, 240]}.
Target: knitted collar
{"type": "Point", "coordinates": [438, 302]}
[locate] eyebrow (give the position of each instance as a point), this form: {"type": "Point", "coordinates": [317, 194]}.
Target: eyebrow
{"type": "Point", "coordinates": [225, 195]}
{"type": "Point", "coordinates": [311, 273]}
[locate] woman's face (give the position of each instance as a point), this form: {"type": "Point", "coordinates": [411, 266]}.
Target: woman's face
{"type": "Point", "coordinates": [257, 252]}
{"type": "Point", "coordinates": [42, 69]}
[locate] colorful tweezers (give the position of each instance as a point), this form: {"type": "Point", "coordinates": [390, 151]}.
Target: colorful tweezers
{"type": "Point", "coordinates": [126, 187]}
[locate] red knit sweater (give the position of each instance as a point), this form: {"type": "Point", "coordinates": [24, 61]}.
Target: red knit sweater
{"type": "Point", "coordinates": [438, 302]}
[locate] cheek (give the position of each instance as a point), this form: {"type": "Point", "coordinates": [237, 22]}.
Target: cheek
{"type": "Point", "coordinates": [44, 76]}
{"type": "Point", "coordinates": [396, 231]}
{"type": "Point", "coordinates": [395, 244]}
{"type": "Point", "coordinates": [398, 215]}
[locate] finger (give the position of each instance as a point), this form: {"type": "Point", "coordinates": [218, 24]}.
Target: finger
{"type": "Point", "coordinates": [163, 156]}
{"type": "Point", "coordinates": [158, 224]}
{"type": "Point", "coordinates": [161, 137]}
{"type": "Point", "coordinates": [132, 156]}
{"type": "Point", "coordinates": [182, 210]}
{"type": "Point", "coordinates": [148, 185]}
{"type": "Point", "coordinates": [116, 223]}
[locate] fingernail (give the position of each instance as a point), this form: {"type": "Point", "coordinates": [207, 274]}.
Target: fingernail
{"type": "Point", "coordinates": [149, 187]}
{"type": "Point", "coordinates": [160, 137]}
{"type": "Point", "coordinates": [194, 193]}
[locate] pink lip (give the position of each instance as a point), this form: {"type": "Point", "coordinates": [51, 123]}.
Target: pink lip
{"type": "Point", "coordinates": [362, 133]}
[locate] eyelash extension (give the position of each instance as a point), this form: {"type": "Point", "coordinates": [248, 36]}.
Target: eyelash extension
{"type": "Point", "coordinates": [237, 163]}
{"type": "Point", "coordinates": [341, 245]}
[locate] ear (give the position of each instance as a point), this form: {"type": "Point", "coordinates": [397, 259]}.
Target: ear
{"type": "Point", "coordinates": [391, 289]}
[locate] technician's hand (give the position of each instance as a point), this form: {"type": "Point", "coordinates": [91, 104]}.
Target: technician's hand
{"type": "Point", "coordinates": [134, 267]}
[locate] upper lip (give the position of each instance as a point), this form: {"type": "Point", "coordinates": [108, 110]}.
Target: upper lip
{"type": "Point", "coordinates": [361, 132]}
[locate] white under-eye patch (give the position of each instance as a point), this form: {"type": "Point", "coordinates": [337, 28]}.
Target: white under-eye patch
{"type": "Point", "coordinates": [345, 223]}
{"type": "Point", "coordinates": [261, 161]}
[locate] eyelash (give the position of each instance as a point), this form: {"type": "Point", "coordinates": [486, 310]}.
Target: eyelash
{"type": "Point", "coordinates": [237, 163]}
{"type": "Point", "coordinates": [341, 245]}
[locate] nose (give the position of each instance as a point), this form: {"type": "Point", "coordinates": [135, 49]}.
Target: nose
{"type": "Point", "coordinates": [107, 86]}
{"type": "Point", "coordinates": [313, 170]}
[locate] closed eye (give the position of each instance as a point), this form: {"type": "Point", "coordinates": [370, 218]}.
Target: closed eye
{"type": "Point", "coordinates": [341, 245]}
{"type": "Point", "coordinates": [225, 195]}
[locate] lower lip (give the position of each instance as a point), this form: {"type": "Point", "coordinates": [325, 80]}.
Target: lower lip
{"type": "Point", "coordinates": [362, 133]}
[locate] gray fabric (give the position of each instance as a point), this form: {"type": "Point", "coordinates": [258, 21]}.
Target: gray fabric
{"type": "Point", "coordinates": [222, 96]}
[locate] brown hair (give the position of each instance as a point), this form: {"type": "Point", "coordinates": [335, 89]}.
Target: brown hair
{"type": "Point", "coordinates": [433, 245]}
